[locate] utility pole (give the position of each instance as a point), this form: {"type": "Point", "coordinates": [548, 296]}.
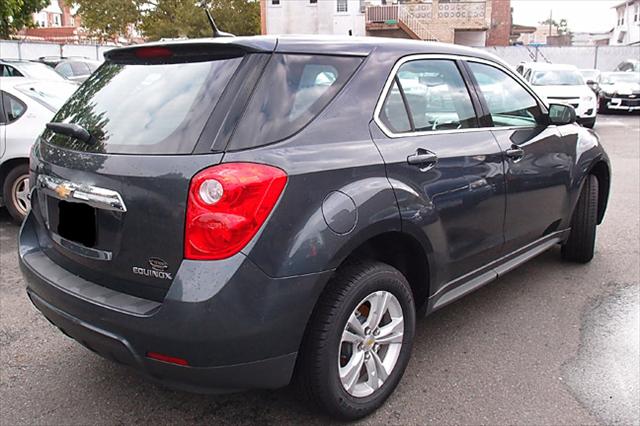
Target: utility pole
{"type": "Point", "coordinates": [550, 21]}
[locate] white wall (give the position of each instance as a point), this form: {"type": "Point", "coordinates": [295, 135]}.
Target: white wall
{"type": "Point", "coordinates": [13, 49]}
{"type": "Point", "coordinates": [303, 17]}
{"type": "Point", "coordinates": [604, 58]}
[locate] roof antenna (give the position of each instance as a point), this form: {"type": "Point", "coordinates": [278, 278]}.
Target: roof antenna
{"type": "Point", "coordinates": [214, 27]}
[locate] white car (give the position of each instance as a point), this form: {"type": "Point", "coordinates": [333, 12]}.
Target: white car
{"type": "Point", "coordinates": [26, 107]}
{"type": "Point", "coordinates": [564, 84]}
{"type": "Point", "coordinates": [28, 69]}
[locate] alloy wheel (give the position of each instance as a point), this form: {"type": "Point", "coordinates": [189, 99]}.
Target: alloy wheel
{"type": "Point", "coordinates": [20, 191]}
{"type": "Point", "coordinates": [370, 344]}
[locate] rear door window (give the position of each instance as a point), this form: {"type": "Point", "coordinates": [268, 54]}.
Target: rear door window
{"type": "Point", "coordinates": [145, 109]}
{"type": "Point", "coordinates": [293, 90]}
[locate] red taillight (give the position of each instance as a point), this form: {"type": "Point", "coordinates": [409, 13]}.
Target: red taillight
{"type": "Point", "coordinates": [153, 52]}
{"type": "Point", "coordinates": [167, 358]}
{"type": "Point", "coordinates": [227, 205]}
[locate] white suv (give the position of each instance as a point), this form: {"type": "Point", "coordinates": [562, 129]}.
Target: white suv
{"type": "Point", "coordinates": [564, 84]}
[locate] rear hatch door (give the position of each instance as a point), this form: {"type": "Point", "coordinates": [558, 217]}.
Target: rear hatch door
{"type": "Point", "coordinates": [112, 206]}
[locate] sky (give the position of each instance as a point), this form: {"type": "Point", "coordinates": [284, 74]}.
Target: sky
{"type": "Point", "coordinates": [581, 15]}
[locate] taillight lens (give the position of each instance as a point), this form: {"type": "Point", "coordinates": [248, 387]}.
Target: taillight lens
{"type": "Point", "coordinates": [227, 205]}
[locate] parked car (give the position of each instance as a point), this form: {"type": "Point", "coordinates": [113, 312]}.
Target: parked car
{"type": "Point", "coordinates": [76, 70]}
{"type": "Point", "coordinates": [591, 77]}
{"type": "Point", "coordinates": [29, 69]}
{"type": "Point", "coordinates": [241, 213]}
{"type": "Point", "coordinates": [632, 65]}
{"type": "Point", "coordinates": [563, 83]}
{"type": "Point", "coordinates": [619, 91]}
{"type": "Point", "coordinates": [53, 60]}
{"type": "Point", "coordinates": [25, 107]}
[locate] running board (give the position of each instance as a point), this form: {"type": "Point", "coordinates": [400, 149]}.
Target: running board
{"type": "Point", "coordinates": [493, 271]}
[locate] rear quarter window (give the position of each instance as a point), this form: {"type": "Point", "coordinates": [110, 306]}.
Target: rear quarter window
{"type": "Point", "coordinates": [293, 90]}
{"type": "Point", "coordinates": [145, 109]}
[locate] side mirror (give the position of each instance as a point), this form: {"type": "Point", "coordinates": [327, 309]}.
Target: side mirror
{"type": "Point", "coordinates": [591, 82]}
{"type": "Point", "coordinates": [561, 114]}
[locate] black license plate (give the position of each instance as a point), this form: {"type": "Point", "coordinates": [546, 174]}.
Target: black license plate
{"type": "Point", "coordinates": [77, 223]}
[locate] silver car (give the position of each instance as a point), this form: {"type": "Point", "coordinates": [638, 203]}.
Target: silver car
{"type": "Point", "coordinates": [26, 106]}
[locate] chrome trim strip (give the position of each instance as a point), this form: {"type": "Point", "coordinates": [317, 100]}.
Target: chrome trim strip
{"type": "Point", "coordinates": [94, 196]}
{"type": "Point", "coordinates": [81, 250]}
{"type": "Point", "coordinates": [416, 57]}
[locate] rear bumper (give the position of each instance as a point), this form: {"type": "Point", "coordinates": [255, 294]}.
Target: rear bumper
{"type": "Point", "coordinates": [236, 327]}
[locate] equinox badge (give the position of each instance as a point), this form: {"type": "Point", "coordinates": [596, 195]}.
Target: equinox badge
{"type": "Point", "coordinates": [158, 268]}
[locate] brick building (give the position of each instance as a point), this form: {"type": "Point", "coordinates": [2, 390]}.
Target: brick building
{"type": "Point", "coordinates": [57, 22]}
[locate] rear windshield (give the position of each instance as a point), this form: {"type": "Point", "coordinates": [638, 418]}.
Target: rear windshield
{"type": "Point", "coordinates": [292, 91]}
{"type": "Point", "coordinates": [145, 109]}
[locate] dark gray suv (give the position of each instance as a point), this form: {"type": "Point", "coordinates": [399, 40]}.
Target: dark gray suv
{"type": "Point", "coordinates": [239, 213]}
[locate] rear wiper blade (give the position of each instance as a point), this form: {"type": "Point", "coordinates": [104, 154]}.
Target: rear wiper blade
{"type": "Point", "coordinates": [73, 130]}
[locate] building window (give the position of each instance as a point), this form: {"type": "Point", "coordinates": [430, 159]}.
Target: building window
{"type": "Point", "coordinates": [313, 1]}
{"type": "Point", "coordinates": [56, 20]}
{"type": "Point", "coordinates": [42, 19]}
{"type": "Point", "coordinates": [275, 2]}
{"type": "Point", "coordinates": [636, 12]}
{"type": "Point", "coordinates": [342, 6]}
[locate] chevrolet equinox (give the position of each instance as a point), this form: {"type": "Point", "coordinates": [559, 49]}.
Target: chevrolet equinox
{"type": "Point", "coordinates": [225, 214]}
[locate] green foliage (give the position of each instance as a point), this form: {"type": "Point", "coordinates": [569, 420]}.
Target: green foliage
{"type": "Point", "coordinates": [169, 18]}
{"type": "Point", "coordinates": [16, 14]}
{"type": "Point", "coordinates": [107, 18]}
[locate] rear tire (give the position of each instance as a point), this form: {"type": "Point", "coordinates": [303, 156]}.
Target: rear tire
{"type": "Point", "coordinates": [580, 245]}
{"type": "Point", "coordinates": [327, 356]}
{"type": "Point", "coordinates": [15, 192]}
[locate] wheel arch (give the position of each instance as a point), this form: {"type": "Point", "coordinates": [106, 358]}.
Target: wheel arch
{"type": "Point", "coordinates": [402, 251]}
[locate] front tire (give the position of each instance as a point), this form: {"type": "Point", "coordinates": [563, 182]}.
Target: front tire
{"type": "Point", "coordinates": [15, 192]}
{"type": "Point", "coordinates": [359, 340]}
{"type": "Point", "coordinates": [580, 245]}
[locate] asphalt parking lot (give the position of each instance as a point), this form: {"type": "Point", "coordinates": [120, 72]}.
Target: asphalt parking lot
{"type": "Point", "coordinates": [550, 343]}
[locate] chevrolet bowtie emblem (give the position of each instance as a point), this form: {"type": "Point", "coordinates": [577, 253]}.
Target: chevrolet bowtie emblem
{"type": "Point", "coordinates": [63, 191]}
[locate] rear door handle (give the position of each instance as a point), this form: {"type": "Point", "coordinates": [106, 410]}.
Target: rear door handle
{"type": "Point", "coordinates": [423, 158]}
{"type": "Point", "coordinates": [515, 153]}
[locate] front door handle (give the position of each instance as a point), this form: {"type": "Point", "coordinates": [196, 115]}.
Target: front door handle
{"type": "Point", "coordinates": [515, 153]}
{"type": "Point", "coordinates": [423, 158]}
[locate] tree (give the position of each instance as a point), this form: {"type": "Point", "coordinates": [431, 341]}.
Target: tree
{"type": "Point", "coordinates": [169, 18]}
{"type": "Point", "coordinates": [562, 27]}
{"type": "Point", "coordinates": [16, 14]}
{"type": "Point", "coordinates": [185, 18]}
{"type": "Point", "coordinates": [107, 19]}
